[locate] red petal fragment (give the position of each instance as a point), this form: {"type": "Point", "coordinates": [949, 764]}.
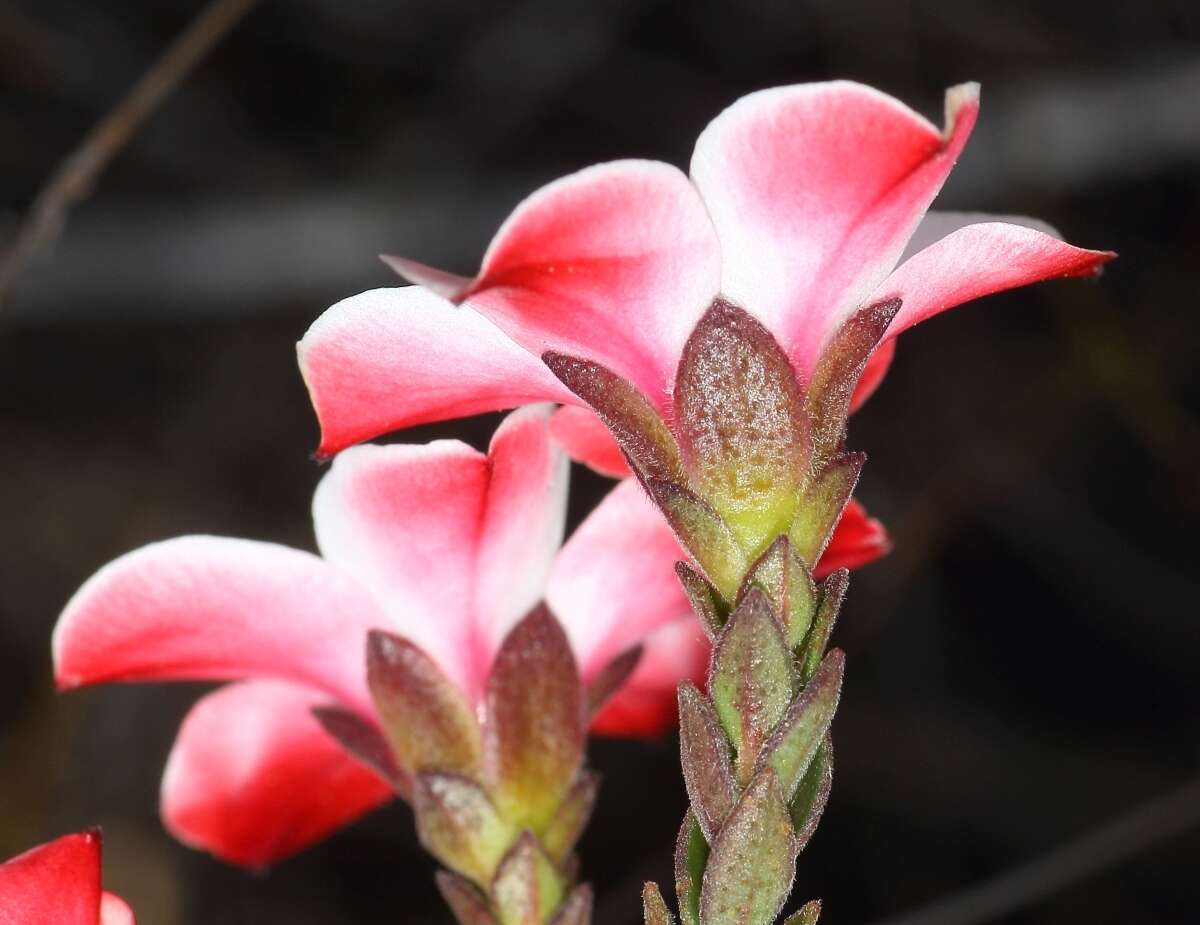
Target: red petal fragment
{"type": "Point", "coordinates": [858, 540]}
{"type": "Point", "coordinates": [57, 883]}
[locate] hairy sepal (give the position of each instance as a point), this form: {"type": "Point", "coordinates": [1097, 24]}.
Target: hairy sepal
{"type": "Point", "coordinates": [366, 743]}
{"type": "Point", "coordinates": [753, 861]}
{"type": "Point", "coordinates": [741, 422]}
{"type": "Point", "coordinates": [705, 754]}
{"type": "Point", "coordinates": [706, 602]}
{"type": "Point", "coordinates": [813, 794]}
{"type": "Point", "coordinates": [654, 907]}
{"type": "Point", "coordinates": [752, 679]}
{"type": "Point", "coordinates": [526, 889]}
{"type": "Point", "coordinates": [821, 505]}
{"type": "Point", "coordinates": [611, 678]}
{"type": "Point", "coordinates": [838, 369]}
{"type": "Point", "coordinates": [534, 731]}
{"type": "Point", "coordinates": [782, 576]}
{"type": "Point", "coordinates": [691, 857]}
{"type": "Point", "coordinates": [464, 899]}
{"type": "Point", "coordinates": [806, 914]}
{"type": "Point", "coordinates": [459, 825]}
{"type": "Point", "coordinates": [637, 427]}
{"type": "Point", "coordinates": [833, 592]}
{"type": "Point", "coordinates": [572, 817]}
{"type": "Point", "coordinates": [703, 533]}
{"type": "Point", "coordinates": [425, 717]}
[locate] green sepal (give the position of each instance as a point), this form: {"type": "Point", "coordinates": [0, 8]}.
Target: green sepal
{"type": "Point", "coordinates": [783, 577]}
{"type": "Point", "coordinates": [458, 825]}
{"type": "Point", "coordinates": [741, 422]}
{"type": "Point", "coordinates": [366, 743]}
{"type": "Point", "coordinates": [576, 908]}
{"type": "Point", "coordinates": [838, 369]}
{"type": "Point", "coordinates": [806, 914]}
{"type": "Point", "coordinates": [833, 592]}
{"type": "Point", "coordinates": [752, 679]}
{"type": "Point", "coordinates": [706, 603]}
{"type": "Point", "coordinates": [464, 899]}
{"type": "Point", "coordinates": [705, 756]}
{"type": "Point", "coordinates": [534, 732]}
{"type": "Point", "coordinates": [572, 817]}
{"type": "Point", "coordinates": [654, 907]}
{"type": "Point", "coordinates": [753, 861]}
{"type": "Point", "coordinates": [633, 421]}
{"type": "Point", "coordinates": [691, 857]}
{"type": "Point", "coordinates": [425, 717]}
{"type": "Point", "coordinates": [526, 889]}
{"type": "Point", "coordinates": [825, 497]}
{"type": "Point", "coordinates": [703, 533]}
{"type": "Point", "coordinates": [813, 793]}
{"type": "Point", "coordinates": [790, 749]}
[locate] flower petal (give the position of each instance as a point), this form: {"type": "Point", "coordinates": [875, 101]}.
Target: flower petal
{"type": "Point", "coordinates": [523, 522]}
{"type": "Point", "coordinates": [613, 584]}
{"type": "Point", "coordinates": [586, 440]}
{"type": "Point", "coordinates": [979, 260]}
{"type": "Point", "coordinates": [205, 607]}
{"type": "Point", "coordinates": [392, 358]}
{"type": "Point", "coordinates": [614, 264]}
{"type": "Point", "coordinates": [115, 911]}
{"type": "Point", "coordinates": [58, 882]}
{"type": "Point", "coordinates": [857, 540]}
{"type": "Point", "coordinates": [252, 777]}
{"type": "Point", "coordinates": [404, 520]}
{"type": "Point", "coordinates": [814, 190]}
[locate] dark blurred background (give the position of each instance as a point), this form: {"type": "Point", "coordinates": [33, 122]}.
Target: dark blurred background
{"type": "Point", "coordinates": [1023, 668]}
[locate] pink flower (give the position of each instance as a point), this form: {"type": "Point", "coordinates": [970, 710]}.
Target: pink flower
{"type": "Point", "coordinates": [59, 884]}
{"type": "Point", "coordinates": [439, 543]}
{"type": "Point", "coordinates": [800, 203]}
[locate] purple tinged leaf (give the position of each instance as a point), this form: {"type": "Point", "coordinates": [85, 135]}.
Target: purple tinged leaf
{"type": "Point", "coordinates": [705, 601]}
{"type": "Point", "coordinates": [741, 422]}
{"type": "Point", "coordinates": [526, 889]}
{"type": "Point", "coordinates": [806, 914]}
{"type": "Point", "coordinates": [654, 907]}
{"type": "Point", "coordinates": [572, 817]}
{"type": "Point", "coordinates": [753, 860]}
{"type": "Point", "coordinates": [577, 908]}
{"type": "Point", "coordinates": [465, 901]}
{"type": "Point", "coordinates": [534, 731]}
{"type": "Point", "coordinates": [838, 370]}
{"type": "Point", "coordinates": [424, 715]}
{"type": "Point", "coordinates": [751, 680]}
{"type": "Point", "coordinates": [637, 427]}
{"type": "Point", "coordinates": [458, 825]}
{"type": "Point", "coordinates": [790, 749]}
{"type": "Point", "coordinates": [364, 742]}
{"type": "Point", "coordinates": [691, 857]}
{"type": "Point", "coordinates": [612, 678]}
{"type": "Point", "coordinates": [833, 592]}
{"type": "Point", "coordinates": [782, 576]}
{"type": "Point", "coordinates": [703, 533]}
{"type": "Point", "coordinates": [705, 756]}
{"type": "Point", "coordinates": [813, 794]}
{"type": "Point", "coordinates": [821, 507]}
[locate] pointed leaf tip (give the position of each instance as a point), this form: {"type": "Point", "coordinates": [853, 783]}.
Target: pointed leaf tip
{"type": "Point", "coordinates": [577, 908]}
{"type": "Point", "coordinates": [706, 602]}
{"type": "Point", "coordinates": [691, 857]}
{"type": "Point", "coordinates": [526, 889]}
{"type": "Point", "coordinates": [612, 678]}
{"type": "Point", "coordinates": [703, 533]}
{"type": "Point", "coordinates": [654, 907]}
{"type": "Point", "coordinates": [458, 825]}
{"type": "Point", "coordinates": [705, 754]}
{"type": "Point", "coordinates": [825, 498]}
{"type": "Point", "coordinates": [806, 914]}
{"type": "Point", "coordinates": [364, 742]}
{"type": "Point", "coordinates": [783, 577]}
{"type": "Point", "coordinates": [465, 901]}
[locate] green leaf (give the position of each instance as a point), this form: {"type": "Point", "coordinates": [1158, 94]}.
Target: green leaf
{"type": "Point", "coordinates": [705, 756]}
{"type": "Point", "coordinates": [838, 369]}
{"type": "Point", "coordinates": [424, 715]}
{"type": "Point", "coordinates": [782, 576]}
{"type": "Point", "coordinates": [790, 749]}
{"type": "Point", "coordinates": [813, 793]}
{"type": "Point", "coordinates": [806, 914]}
{"type": "Point", "coordinates": [576, 908]}
{"type": "Point", "coordinates": [705, 601]}
{"type": "Point", "coordinates": [821, 507]}
{"type": "Point", "coordinates": [534, 730]}
{"type": "Point", "coordinates": [458, 825]}
{"type": "Point", "coordinates": [753, 861]}
{"type": "Point", "coordinates": [611, 678]}
{"type": "Point", "coordinates": [691, 856]}
{"type": "Point", "coordinates": [465, 901]}
{"type": "Point", "coordinates": [741, 422]}
{"type": "Point", "coordinates": [833, 592]}
{"type": "Point", "coordinates": [752, 679]}
{"type": "Point", "coordinates": [654, 907]}
{"type": "Point", "coordinates": [571, 818]}
{"type": "Point", "coordinates": [526, 889]}
{"type": "Point", "coordinates": [364, 742]}
{"type": "Point", "coordinates": [703, 533]}
{"type": "Point", "coordinates": [629, 416]}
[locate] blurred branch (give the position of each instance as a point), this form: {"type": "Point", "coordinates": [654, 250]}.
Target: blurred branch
{"type": "Point", "coordinates": [1095, 851]}
{"type": "Point", "coordinates": [77, 174]}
